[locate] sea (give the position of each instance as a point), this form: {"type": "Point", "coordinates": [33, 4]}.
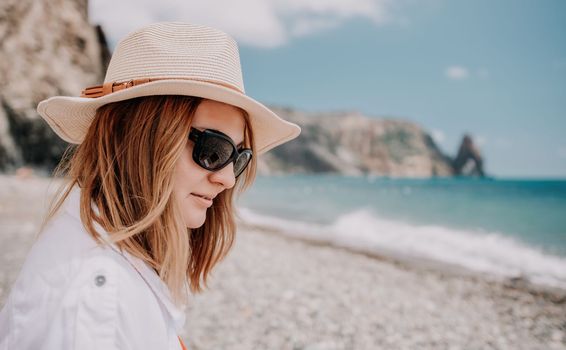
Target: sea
{"type": "Point", "coordinates": [512, 228]}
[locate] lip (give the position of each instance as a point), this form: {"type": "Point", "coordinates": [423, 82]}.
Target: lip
{"type": "Point", "coordinates": [203, 201]}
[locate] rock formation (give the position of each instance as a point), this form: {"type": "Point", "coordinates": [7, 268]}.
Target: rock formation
{"type": "Point", "coordinates": [353, 144]}
{"type": "Point", "coordinates": [47, 48]}
{"type": "Point", "coordinates": [468, 161]}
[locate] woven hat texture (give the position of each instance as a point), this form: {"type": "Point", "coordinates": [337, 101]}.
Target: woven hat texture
{"type": "Point", "coordinates": [175, 58]}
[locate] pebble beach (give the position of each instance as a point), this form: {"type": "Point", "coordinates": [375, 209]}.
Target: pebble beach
{"type": "Point", "coordinates": [276, 292]}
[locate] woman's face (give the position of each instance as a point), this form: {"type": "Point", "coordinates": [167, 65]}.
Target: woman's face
{"type": "Point", "coordinates": [190, 179]}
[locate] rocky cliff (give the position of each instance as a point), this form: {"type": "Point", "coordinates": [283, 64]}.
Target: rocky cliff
{"type": "Point", "coordinates": [468, 161]}
{"type": "Point", "coordinates": [353, 144]}
{"type": "Point", "coordinates": [49, 48]}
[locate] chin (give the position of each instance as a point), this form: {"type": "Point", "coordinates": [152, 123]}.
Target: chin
{"type": "Point", "coordinates": [192, 226]}
{"type": "Point", "coordinates": [195, 222]}
{"type": "Point", "coordinates": [194, 216]}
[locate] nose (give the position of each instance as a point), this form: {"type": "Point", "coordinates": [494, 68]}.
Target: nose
{"type": "Point", "coordinates": [224, 176]}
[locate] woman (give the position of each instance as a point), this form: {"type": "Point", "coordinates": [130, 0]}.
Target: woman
{"type": "Point", "coordinates": [146, 211]}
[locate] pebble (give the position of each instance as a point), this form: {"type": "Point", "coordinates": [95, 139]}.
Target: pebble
{"type": "Point", "coordinates": [273, 292]}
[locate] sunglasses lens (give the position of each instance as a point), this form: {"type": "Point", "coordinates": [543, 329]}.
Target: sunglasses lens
{"type": "Point", "coordinates": [242, 162]}
{"type": "Point", "coordinates": [215, 152]}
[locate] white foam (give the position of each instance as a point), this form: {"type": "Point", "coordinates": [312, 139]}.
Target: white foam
{"type": "Point", "coordinates": [491, 253]}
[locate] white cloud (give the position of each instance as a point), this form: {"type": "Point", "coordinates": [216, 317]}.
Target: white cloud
{"type": "Point", "coordinates": [457, 72]}
{"type": "Point", "coordinates": [264, 23]}
{"type": "Point", "coordinates": [304, 27]}
{"type": "Point", "coordinates": [438, 136]}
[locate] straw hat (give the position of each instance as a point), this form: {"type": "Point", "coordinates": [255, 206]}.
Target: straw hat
{"type": "Point", "coordinates": [169, 58]}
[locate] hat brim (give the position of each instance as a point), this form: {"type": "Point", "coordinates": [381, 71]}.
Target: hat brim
{"type": "Point", "coordinates": [70, 117]}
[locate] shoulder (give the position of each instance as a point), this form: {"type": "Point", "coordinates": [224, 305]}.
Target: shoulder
{"type": "Point", "coordinates": [63, 249]}
{"type": "Point", "coordinates": [86, 288]}
{"type": "Point", "coordinates": [66, 259]}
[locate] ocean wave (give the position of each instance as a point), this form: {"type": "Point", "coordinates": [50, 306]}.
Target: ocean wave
{"type": "Point", "coordinates": [486, 252]}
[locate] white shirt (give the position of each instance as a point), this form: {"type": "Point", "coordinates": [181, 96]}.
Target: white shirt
{"type": "Point", "coordinates": [74, 294]}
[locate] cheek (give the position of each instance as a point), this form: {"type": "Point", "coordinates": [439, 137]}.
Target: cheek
{"type": "Point", "coordinates": [187, 173]}
{"type": "Point", "coordinates": [188, 178]}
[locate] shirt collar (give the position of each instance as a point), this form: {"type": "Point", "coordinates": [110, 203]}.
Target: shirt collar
{"type": "Point", "coordinates": [159, 288]}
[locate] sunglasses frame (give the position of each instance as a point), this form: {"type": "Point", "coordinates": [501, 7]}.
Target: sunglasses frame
{"type": "Point", "coordinates": [199, 136]}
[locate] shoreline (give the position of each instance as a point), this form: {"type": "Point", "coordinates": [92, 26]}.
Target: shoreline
{"type": "Point", "coordinates": [554, 294]}
{"type": "Point", "coordinates": [283, 291]}
{"type": "Point", "coordinates": [277, 292]}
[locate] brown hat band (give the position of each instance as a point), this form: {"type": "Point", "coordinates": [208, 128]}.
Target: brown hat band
{"type": "Point", "coordinates": [110, 87]}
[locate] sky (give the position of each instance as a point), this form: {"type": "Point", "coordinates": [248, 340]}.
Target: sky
{"type": "Point", "coordinates": [493, 69]}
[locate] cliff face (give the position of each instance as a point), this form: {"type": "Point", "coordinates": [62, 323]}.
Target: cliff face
{"type": "Point", "coordinates": [47, 48]}
{"type": "Point", "coordinates": [352, 144]}
{"type": "Point", "coordinates": [468, 161]}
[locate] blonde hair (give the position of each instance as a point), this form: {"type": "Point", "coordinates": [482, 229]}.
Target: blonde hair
{"type": "Point", "coordinates": [125, 165]}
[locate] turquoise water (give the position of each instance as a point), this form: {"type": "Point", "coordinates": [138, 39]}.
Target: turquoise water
{"type": "Point", "coordinates": [510, 226]}
{"type": "Point", "coordinates": [533, 211]}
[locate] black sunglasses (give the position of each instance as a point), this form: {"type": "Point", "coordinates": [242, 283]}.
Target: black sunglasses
{"type": "Point", "coordinates": [214, 150]}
